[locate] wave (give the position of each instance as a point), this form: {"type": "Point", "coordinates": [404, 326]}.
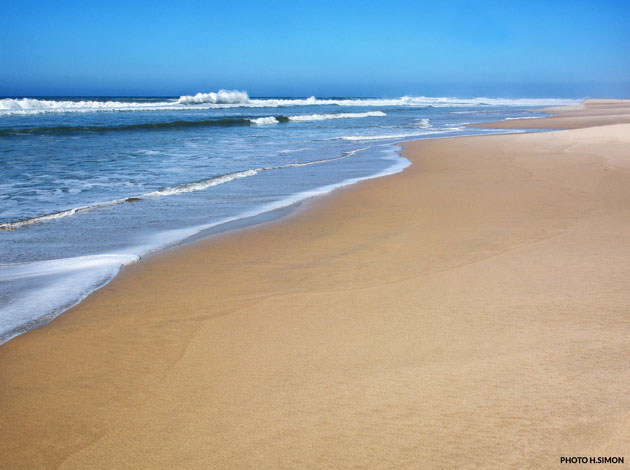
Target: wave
{"type": "Point", "coordinates": [9, 106]}
{"type": "Point", "coordinates": [316, 117]}
{"type": "Point", "coordinates": [262, 121]}
{"type": "Point", "coordinates": [410, 101]}
{"type": "Point", "coordinates": [229, 122]}
{"type": "Point", "coordinates": [130, 127]}
{"type": "Point", "coordinates": [167, 191]}
{"type": "Point", "coordinates": [67, 282]}
{"type": "Point", "coordinates": [324, 117]}
{"type": "Point", "coordinates": [221, 97]}
{"type": "Point", "coordinates": [236, 98]}
{"type": "Point", "coordinates": [201, 185]}
{"type": "Point", "coordinates": [57, 215]}
{"type": "Point", "coordinates": [391, 136]}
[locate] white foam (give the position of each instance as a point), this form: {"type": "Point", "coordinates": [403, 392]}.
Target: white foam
{"type": "Point", "coordinates": [391, 136]}
{"type": "Point", "coordinates": [201, 185]}
{"type": "Point", "coordinates": [60, 266]}
{"type": "Point", "coordinates": [67, 282]}
{"type": "Point", "coordinates": [423, 123]}
{"type": "Point", "coordinates": [414, 101]}
{"type": "Point", "coordinates": [10, 106]}
{"type": "Point", "coordinates": [324, 117]}
{"type": "Point", "coordinates": [316, 117]}
{"type": "Point", "coordinates": [236, 98]}
{"type": "Point", "coordinates": [263, 121]}
{"type": "Point", "coordinates": [294, 150]}
{"type": "Point", "coordinates": [58, 215]}
{"type": "Point", "coordinates": [221, 97]}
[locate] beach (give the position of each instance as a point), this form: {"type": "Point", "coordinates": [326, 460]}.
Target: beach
{"type": "Point", "coordinates": [92, 185]}
{"type": "Point", "coordinates": [468, 312]}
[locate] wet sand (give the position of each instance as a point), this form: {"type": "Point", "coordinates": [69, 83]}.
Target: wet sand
{"type": "Point", "coordinates": [470, 312]}
{"type": "Point", "coordinates": [590, 113]}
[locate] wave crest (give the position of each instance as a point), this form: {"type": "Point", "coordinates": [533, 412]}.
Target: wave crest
{"type": "Point", "coordinates": [220, 97]}
{"type": "Point", "coordinates": [263, 121]}
{"type": "Point", "coordinates": [148, 126]}
{"type": "Point", "coordinates": [324, 117]}
{"type": "Point", "coordinates": [36, 106]}
{"type": "Point", "coordinates": [237, 99]}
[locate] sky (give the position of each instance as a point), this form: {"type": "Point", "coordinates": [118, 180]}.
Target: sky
{"type": "Point", "coordinates": [551, 48]}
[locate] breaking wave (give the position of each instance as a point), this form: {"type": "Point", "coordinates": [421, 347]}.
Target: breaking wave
{"type": "Point", "coordinates": [227, 122]}
{"type": "Point", "coordinates": [316, 117]}
{"type": "Point", "coordinates": [236, 98]}
{"type": "Point", "coordinates": [9, 106]}
{"type": "Point", "coordinates": [221, 97]}
{"type": "Point", "coordinates": [262, 121]}
{"type": "Point", "coordinates": [324, 117]}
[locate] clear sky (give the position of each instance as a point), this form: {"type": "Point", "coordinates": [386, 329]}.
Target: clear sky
{"type": "Point", "coordinates": [563, 48]}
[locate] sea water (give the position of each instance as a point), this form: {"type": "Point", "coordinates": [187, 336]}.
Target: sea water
{"type": "Point", "coordinates": [88, 185]}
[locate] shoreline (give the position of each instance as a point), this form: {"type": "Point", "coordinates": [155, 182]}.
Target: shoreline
{"type": "Point", "coordinates": [590, 113]}
{"type": "Point", "coordinates": [261, 215]}
{"type": "Point", "coordinates": [265, 213]}
{"type": "Point", "coordinates": [467, 282]}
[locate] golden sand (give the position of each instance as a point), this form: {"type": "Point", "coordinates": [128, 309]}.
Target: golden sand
{"type": "Point", "coordinates": [470, 312]}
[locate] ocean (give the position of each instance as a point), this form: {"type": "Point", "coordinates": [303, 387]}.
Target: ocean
{"type": "Point", "coordinates": [90, 184]}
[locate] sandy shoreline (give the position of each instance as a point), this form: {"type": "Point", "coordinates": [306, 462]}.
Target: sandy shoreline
{"type": "Point", "coordinates": [591, 113]}
{"type": "Point", "coordinates": [470, 312]}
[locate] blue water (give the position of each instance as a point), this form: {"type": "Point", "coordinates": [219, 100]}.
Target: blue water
{"type": "Point", "coordinates": [88, 185]}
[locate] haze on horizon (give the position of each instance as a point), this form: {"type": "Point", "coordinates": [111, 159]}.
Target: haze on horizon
{"type": "Point", "coordinates": [354, 48]}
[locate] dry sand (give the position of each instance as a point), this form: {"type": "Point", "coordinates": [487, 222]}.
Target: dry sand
{"type": "Point", "coordinates": [470, 312]}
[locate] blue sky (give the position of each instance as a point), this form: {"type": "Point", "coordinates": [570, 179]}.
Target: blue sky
{"type": "Point", "coordinates": [324, 48]}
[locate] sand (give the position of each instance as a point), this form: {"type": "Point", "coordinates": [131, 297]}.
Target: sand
{"type": "Point", "coordinates": [470, 312]}
{"type": "Point", "coordinates": [590, 113]}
